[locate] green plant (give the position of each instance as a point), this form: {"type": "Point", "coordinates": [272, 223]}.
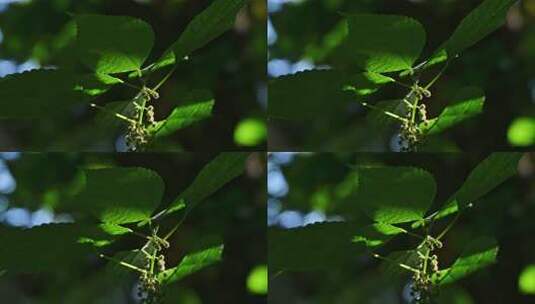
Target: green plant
{"type": "Point", "coordinates": [365, 52]}
{"type": "Point", "coordinates": [108, 51]}
{"type": "Point", "coordinates": [118, 203]}
{"type": "Point", "coordinates": [397, 201]}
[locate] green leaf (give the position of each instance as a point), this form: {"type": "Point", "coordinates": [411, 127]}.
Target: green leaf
{"type": "Point", "coordinates": [114, 229]}
{"type": "Point", "coordinates": [363, 84]}
{"type": "Point", "coordinates": [478, 254]}
{"type": "Point", "coordinates": [38, 93]}
{"type": "Point", "coordinates": [192, 263]}
{"type": "Point", "coordinates": [467, 103]}
{"type": "Point", "coordinates": [383, 43]}
{"type": "Point", "coordinates": [309, 94]}
{"type": "Point", "coordinates": [113, 44]}
{"type": "Point", "coordinates": [182, 117]}
{"type": "Point", "coordinates": [450, 208]}
{"type": "Point", "coordinates": [483, 20]}
{"type": "Point", "coordinates": [205, 27]}
{"type": "Point", "coordinates": [490, 173]}
{"type": "Point", "coordinates": [96, 84]}
{"type": "Point", "coordinates": [221, 170]}
{"type": "Point", "coordinates": [315, 246]}
{"type": "Point", "coordinates": [394, 194]}
{"type": "Point", "coordinates": [120, 195]}
{"type": "Point", "coordinates": [377, 234]}
{"type": "Point", "coordinates": [43, 248]}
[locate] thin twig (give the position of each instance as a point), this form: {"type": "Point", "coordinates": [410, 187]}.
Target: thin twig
{"type": "Point", "coordinates": [122, 263]}
{"type": "Point", "coordinates": [395, 116]}
{"type": "Point", "coordinates": [407, 267]}
{"type": "Point", "coordinates": [166, 77]}
{"type": "Point", "coordinates": [120, 116]}
{"type": "Point", "coordinates": [450, 225]}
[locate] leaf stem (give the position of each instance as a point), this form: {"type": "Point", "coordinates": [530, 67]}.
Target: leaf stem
{"type": "Point", "coordinates": [426, 259]}
{"type": "Point", "coordinates": [437, 76]}
{"type": "Point", "coordinates": [120, 116]}
{"type": "Point", "coordinates": [153, 260]}
{"type": "Point", "coordinates": [406, 267]}
{"type": "Point", "coordinates": [142, 112]}
{"type": "Point", "coordinates": [175, 228]}
{"type": "Point", "coordinates": [393, 115]}
{"type": "Point", "coordinates": [122, 263]}
{"type": "Point", "coordinates": [165, 78]}
{"type": "Point", "coordinates": [450, 225]}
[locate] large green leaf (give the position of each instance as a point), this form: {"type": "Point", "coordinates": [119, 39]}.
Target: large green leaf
{"type": "Point", "coordinates": [482, 21]}
{"type": "Point", "coordinates": [394, 194]}
{"type": "Point", "coordinates": [490, 173]}
{"type": "Point", "coordinates": [192, 263]}
{"type": "Point", "coordinates": [315, 246]}
{"type": "Point", "coordinates": [38, 93]}
{"type": "Point", "coordinates": [184, 116]}
{"type": "Point", "coordinates": [208, 25]}
{"type": "Point", "coordinates": [310, 94]}
{"type": "Point", "coordinates": [96, 84]}
{"type": "Point", "coordinates": [221, 170]}
{"type": "Point", "coordinates": [44, 248]}
{"type": "Point", "coordinates": [113, 44]}
{"type": "Point", "coordinates": [383, 43]}
{"type": "Point", "coordinates": [376, 235]}
{"type": "Point", "coordinates": [120, 195]}
{"type": "Point", "coordinates": [478, 254]}
{"type": "Point", "coordinates": [366, 83]}
{"type": "Point", "coordinates": [467, 103]}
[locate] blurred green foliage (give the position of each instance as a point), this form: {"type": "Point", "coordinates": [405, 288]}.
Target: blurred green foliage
{"type": "Point", "coordinates": [250, 132]}
{"type": "Point", "coordinates": [257, 281]}
{"type": "Point", "coordinates": [526, 280]}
